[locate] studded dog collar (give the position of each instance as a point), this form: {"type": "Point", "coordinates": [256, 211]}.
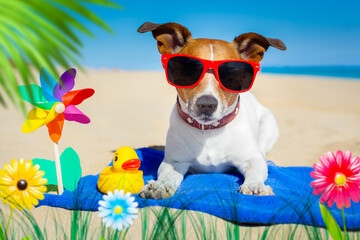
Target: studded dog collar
{"type": "Point", "coordinates": [218, 124]}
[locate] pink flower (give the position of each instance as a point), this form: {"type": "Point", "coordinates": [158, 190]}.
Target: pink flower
{"type": "Point", "coordinates": [337, 179]}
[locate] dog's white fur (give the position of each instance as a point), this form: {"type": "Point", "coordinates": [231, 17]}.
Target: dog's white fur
{"type": "Point", "coordinates": [242, 143]}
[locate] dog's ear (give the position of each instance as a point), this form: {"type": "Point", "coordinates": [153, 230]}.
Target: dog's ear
{"type": "Point", "coordinates": [252, 46]}
{"type": "Point", "coordinates": [171, 37]}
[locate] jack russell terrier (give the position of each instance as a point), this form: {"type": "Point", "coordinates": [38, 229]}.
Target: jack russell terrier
{"type": "Point", "coordinates": [216, 123]}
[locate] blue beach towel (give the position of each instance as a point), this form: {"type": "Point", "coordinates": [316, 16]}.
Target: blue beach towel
{"type": "Point", "coordinates": [217, 194]}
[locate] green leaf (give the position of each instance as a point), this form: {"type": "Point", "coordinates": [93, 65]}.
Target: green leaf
{"type": "Point", "coordinates": [48, 167]}
{"type": "Point", "coordinates": [51, 188]}
{"type": "Point", "coordinates": [27, 238]}
{"type": "Point", "coordinates": [84, 12]}
{"type": "Point", "coordinates": [330, 223]}
{"type": "Point", "coordinates": [104, 3]}
{"type": "Point", "coordinates": [70, 168]}
{"type": "Point", "coordinates": [52, 40]}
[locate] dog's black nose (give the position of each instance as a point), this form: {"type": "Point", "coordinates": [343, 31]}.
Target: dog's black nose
{"type": "Point", "coordinates": [206, 104]}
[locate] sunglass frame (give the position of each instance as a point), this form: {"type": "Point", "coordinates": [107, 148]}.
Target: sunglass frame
{"type": "Point", "coordinates": [208, 64]}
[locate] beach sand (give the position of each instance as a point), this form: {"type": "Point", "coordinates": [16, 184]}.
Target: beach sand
{"type": "Point", "coordinates": [315, 115]}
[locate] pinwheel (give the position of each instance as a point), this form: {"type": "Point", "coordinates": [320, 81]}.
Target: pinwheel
{"type": "Point", "coordinates": [55, 102]}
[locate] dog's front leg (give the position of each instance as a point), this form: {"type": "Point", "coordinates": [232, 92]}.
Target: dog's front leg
{"type": "Point", "coordinates": [255, 172]}
{"type": "Point", "coordinates": [170, 176]}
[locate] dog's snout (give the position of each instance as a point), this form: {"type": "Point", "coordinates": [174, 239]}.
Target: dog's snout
{"type": "Point", "coordinates": [206, 104]}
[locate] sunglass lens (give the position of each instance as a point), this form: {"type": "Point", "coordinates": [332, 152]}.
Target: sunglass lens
{"type": "Point", "coordinates": [184, 71]}
{"type": "Point", "coordinates": [236, 76]}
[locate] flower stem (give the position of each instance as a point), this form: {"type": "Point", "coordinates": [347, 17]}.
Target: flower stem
{"type": "Point", "coordinates": [8, 223]}
{"type": "Point", "coordinates": [343, 214]}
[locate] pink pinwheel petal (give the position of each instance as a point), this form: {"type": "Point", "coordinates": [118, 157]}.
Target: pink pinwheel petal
{"type": "Point", "coordinates": [72, 113]}
{"type": "Point", "coordinates": [66, 83]}
{"type": "Point", "coordinates": [76, 97]}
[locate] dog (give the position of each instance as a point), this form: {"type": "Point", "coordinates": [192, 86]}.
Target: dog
{"type": "Point", "coordinates": [212, 126]}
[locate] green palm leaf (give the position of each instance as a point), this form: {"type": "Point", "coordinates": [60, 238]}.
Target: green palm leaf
{"type": "Point", "coordinates": [41, 33]}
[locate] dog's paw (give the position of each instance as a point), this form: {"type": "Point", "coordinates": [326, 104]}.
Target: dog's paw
{"type": "Point", "coordinates": [256, 189]}
{"type": "Point", "coordinates": [156, 190]}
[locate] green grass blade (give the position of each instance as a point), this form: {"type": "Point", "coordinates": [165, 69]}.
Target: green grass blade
{"type": "Point", "coordinates": [183, 225]}
{"type": "Point", "coordinates": [144, 222]}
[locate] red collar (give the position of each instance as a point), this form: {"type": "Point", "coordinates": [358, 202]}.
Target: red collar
{"type": "Point", "coordinates": [220, 123]}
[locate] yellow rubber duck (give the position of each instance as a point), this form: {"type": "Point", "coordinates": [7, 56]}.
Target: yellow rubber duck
{"type": "Point", "coordinates": [124, 173]}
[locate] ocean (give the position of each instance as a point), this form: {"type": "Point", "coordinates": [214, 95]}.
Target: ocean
{"type": "Point", "coordinates": [329, 71]}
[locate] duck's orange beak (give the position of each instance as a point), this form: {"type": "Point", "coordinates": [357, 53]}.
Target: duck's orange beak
{"type": "Point", "coordinates": [131, 165]}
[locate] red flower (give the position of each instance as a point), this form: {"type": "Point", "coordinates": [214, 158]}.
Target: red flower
{"type": "Point", "coordinates": [337, 179]}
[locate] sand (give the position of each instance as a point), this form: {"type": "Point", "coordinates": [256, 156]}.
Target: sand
{"type": "Point", "coordinates": [315, 115]}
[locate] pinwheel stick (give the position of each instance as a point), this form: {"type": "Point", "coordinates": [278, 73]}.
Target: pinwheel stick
{"type": "Point", "coordinates": [55, 103]}
{"type": "Point", "coordinates": [58, 169]}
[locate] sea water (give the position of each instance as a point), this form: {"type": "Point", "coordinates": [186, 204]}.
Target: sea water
{"type": "Point", "coordinates": [330, 71]}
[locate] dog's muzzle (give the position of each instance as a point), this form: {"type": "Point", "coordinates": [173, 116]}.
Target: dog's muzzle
{"type": "Point", "coordinates": [206, 105]}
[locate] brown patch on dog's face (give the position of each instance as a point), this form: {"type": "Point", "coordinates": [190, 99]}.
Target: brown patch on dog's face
{"type": "Point", "coordinates": [210, 50]}
{"type": "Point", "coordinates": [208, 102]}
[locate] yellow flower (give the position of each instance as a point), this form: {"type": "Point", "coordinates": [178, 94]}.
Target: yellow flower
{"type": "Point", "coordinates": [22, 184]}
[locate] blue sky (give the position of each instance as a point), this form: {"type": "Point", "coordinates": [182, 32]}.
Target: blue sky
{"type": "Point", "coordinates": [316, 33]}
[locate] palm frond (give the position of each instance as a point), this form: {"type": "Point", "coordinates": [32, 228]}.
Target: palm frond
{"type": "Point", "coordinates": [37, 34]}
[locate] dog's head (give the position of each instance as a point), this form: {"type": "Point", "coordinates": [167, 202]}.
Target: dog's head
{"type": "Point", "coordinates": [207, 102]}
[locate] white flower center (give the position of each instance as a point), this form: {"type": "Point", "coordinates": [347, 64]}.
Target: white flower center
{"type": "Point", "coordinates": [59, 108]}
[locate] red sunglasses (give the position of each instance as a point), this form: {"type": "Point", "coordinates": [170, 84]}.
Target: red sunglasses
{"type": "Point", "coordinates": [186, 71]}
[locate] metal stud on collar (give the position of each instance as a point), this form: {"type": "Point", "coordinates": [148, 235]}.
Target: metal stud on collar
{"type": "Point", "coordinates": [189, 120]}
{"type": "Point", "coordinates": [215, 124]}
